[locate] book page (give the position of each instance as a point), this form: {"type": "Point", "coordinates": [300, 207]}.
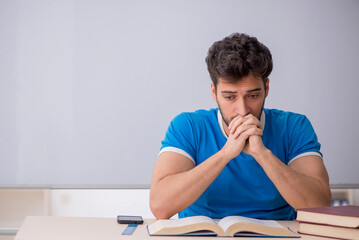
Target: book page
{"type": "Point", "coordinates": [228, 221]}
{"type": "Point", "coordinates": [183, 225]}
{"type": "Point", "coordinates": [185, 221]}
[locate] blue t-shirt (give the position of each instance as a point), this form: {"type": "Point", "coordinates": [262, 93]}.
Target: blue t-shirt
{"type": "Point", "coordinates": [242, 188]}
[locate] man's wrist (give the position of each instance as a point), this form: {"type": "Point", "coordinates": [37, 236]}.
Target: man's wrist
{"type": "Point", "coordinates": [226, 155]}
{"type": "Point", "coordinates": [262, 155]}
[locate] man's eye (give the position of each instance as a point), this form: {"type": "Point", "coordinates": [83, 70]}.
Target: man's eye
{"type": "Point", "coordinates": [229, 97]}
{"type": "Point", "coordinates": [253, 95]}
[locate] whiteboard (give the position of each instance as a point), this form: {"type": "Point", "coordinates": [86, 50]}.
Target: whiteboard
{"type": "Point", "coordinates": [89, 87]}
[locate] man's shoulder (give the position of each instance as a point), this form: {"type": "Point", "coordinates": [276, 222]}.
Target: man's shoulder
{"type": "Point", "coordinates": [194, 125]}
{"type": "Point", "coordinates": [277, 115]}
{"type": "Point", "coordinates": [290, 121]}
{"type": "Point", "coordinates": [198, 115]}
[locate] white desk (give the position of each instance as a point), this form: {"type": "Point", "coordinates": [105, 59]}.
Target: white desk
{"type": "Point", "coordinates": [74, 228]}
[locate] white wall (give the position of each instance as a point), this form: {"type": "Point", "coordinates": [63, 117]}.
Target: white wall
{"type": "Point", "coordinates": [100, 203]}
{"type": "Point", "coordinates": [88, 87]}
{"type": "Point", "coordinates": [109, 202]}
{"type": "Point", "coordinates": [16, 204]}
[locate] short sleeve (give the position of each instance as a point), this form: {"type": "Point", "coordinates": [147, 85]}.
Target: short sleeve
{"type": "Point", "coordinates": [180, 137]}
{"type": "Point", "coordinates": [302, 138]}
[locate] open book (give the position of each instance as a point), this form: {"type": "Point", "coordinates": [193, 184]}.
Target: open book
{"type": "Point", "coordinates": [228, 226]}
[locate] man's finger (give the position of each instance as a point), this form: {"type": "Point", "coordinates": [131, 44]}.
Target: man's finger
{"type": "Point", "coordinates": [251, 132]}
{"type": "Point", "coordinates": [243, 128]}
{"type": "Point", "coordinates": [248, 120]}
{"type": "Point", "coordinates": [235, 119]}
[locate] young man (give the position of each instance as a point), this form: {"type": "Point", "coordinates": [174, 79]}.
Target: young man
{"type": "Point", "coordinates": [239, 159]}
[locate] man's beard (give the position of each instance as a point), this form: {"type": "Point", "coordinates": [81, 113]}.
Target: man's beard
{"type": "Point", "coordinates": [225, 119]}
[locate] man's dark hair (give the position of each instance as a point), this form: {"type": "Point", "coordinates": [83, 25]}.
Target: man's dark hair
{"type": "Point", "coordinates": [237, 56]}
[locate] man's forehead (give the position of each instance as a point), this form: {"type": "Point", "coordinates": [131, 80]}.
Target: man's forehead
{"type": "Point", "coordinates": [240, 86]}
{"type": "Point", "coordinates": [249, 79]}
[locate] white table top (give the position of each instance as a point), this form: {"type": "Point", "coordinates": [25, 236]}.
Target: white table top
{"type": "Point", "coordinates": [75, 228]}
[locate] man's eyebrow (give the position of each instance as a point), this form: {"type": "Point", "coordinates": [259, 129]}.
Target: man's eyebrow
{"type": "Point", "coordinates": [226, 91]}
{"type": "Point", "coordinates": [254, 90]}
{"type": "Point", "coordinates": [248, 91]}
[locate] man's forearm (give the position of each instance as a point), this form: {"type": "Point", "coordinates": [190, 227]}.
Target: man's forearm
{"type": "Point", "coordinates": [297, 189]}
{"type": "Point", "coordinates": [176, 192]}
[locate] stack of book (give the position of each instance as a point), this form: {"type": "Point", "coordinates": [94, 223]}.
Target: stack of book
{"type": "Point", "coordinates": [340, 222]}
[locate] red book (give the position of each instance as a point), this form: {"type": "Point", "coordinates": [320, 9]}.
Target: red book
{"type": "Point", "coordinates": [328, 231]}
{"type": "Point", "coordinates": [342, 216]}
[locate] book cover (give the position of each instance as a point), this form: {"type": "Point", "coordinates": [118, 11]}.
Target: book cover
{"type": "Point", "coordinates": [342, 216]}
{"type": "Point", "coordinates": [328, 231]}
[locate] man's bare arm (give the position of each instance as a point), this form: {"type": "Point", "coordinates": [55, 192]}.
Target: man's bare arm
{"type": "Point", "coordinates": [304, 183]}
{"type": "Point", "coordinates": [176, 183]}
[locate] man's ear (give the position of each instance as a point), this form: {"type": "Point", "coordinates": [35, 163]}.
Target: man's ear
{"type": "Point", "coordinates": [213, 91]}
{"type": "Point", "coordinates": [267, 87]}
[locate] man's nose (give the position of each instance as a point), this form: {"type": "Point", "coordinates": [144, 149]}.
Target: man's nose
{"type": "Point", "coordinates": [242, 108]}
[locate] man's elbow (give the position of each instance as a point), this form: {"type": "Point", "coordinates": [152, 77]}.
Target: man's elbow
{"type": "Point", "coordinates": [159, 208]}
{"type": "Point", "coordinates": [322, 201]}
{"type": "Point", "coordinates": [323, 198]}
{"type": "Point", "coordinates": [159, 211]}
{"type": "Point", "coordinates": [328, 198]}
